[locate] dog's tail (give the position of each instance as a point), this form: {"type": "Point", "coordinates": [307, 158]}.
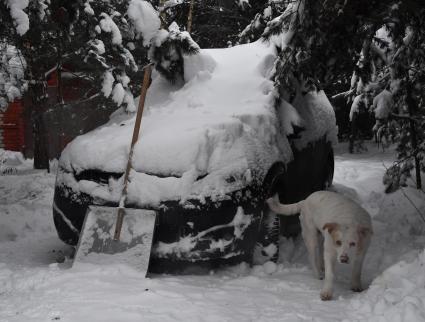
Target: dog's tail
{"type": "Point", "coordinates": [281, 209]}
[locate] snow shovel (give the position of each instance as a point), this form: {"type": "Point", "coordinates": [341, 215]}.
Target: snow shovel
{"type": "Point", "coordinates": [120, 235]}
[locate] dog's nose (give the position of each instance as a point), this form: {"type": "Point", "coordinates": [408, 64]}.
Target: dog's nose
{"type": "Point", "coordinates": [344, 259]}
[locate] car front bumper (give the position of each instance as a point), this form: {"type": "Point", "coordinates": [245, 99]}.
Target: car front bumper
{"type": "Point", "coordinates": [204, 234]}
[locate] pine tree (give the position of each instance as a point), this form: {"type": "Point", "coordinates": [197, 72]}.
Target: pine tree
{"type": "Point", "coordinates": [12, 69]}
{"type": "Point", "coordinates": [405, 22]}
{"type": "Point", "coordinates": [95, 37]}
{"type": "Point", "coordinates": [323, 42]}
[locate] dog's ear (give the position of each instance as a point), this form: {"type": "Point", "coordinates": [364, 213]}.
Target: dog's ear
{"type": "Point", "coordinates": [363, 231]}
{"type": "Point", "coordinates": [330, 227]}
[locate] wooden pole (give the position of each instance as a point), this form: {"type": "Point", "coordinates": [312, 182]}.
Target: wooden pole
{"type": "Point", "coordinates": [136, 131]}
{"type": "Point", "coordinates": [189, 18]}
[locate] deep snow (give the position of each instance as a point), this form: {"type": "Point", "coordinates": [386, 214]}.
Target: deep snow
{"type": "Point", "coordinates": [34, 287]}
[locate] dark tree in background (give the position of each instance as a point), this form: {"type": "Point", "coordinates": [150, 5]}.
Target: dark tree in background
{"type": "Point", "coordinates": [326, 42]}
{"type": "Point", "coordinates": [215, 23]}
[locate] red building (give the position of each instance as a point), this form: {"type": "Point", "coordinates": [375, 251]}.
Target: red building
{"type": "Point", "coordinates": [12, 127]}
{"type": "Point", "coordinates": [77, 114]}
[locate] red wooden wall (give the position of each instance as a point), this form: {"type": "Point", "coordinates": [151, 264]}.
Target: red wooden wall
{"type": "Point", "coordinates": [63, 121]}
{"type": "Point", "coordinates": [12, 127]}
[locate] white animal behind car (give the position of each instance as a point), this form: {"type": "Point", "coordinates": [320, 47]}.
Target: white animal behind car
{"type": "Point", "coordinates": [345, 226]}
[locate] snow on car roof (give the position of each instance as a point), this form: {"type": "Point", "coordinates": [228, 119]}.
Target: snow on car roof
{"type": "Point", "coordinates": [221, 122]}
{"type": "Point", "coordinates": [226, 97]}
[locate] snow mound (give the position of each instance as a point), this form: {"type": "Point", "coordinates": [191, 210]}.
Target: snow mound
{"type": "Point", "coordinates": [398, 294]}
{"type": "Point", "coordinates": [316, 113]}
{"type": "Point", "coordinates": [200, 65]}
{"type": "Point", "coordinates": [25, 205]}
{"type": "Point", "coordinates": [12, 162]}
{"type": "Point", "coordinates": [221, 122]}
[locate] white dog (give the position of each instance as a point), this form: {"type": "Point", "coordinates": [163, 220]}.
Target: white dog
{"type": "Point", "coordinates": [345, 226]}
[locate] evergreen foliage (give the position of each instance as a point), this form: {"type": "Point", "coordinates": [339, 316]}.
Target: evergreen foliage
{"type": "Point", "coordinates": [216, 23]}
{"type": "Point", "coordinates": [12, 69]}
{"type": "Point", "coordinates": [255, 28]}
{"type": "Point", "coordinates": [92, 37]}
{"type": "Point", "coordinates": [324, 42]}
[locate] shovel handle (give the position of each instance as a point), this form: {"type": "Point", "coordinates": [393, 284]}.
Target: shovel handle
{"type": "Point", "coordinates": [118, 224]}
{"type": "Point", "coordinates": [136, 130]}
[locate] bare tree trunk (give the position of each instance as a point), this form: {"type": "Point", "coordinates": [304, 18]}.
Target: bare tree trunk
{"type": "Point", "coordinates": [41, 156]}
{"type": "Point", "coordinates": [189, 18]}
{"type": "Point", "coordinates": [59, 71]}
{"type": "Point", "coordinates": [59, 85]}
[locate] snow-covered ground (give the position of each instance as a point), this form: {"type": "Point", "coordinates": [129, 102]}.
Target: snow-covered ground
{"type": "Point", "coordinates": [34, 287]}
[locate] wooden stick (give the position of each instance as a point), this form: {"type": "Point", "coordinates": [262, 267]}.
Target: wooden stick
{"type": "Point", "coordinates": [136, 131]}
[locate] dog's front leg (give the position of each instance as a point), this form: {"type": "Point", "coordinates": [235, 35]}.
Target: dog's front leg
{"type": "Point", "coordinates": [356, 284]}
{"type": "Point", "coordinates": [320, 257]}
{"type": "Point", "coordinates": [329, 253]}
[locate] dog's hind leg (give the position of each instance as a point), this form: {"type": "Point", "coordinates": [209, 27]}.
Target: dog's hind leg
{"type": "Point", "coordinates": [312, 244]}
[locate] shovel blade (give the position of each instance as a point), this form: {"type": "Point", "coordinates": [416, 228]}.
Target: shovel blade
{"type": "Point", "coordinates": [97, 245]}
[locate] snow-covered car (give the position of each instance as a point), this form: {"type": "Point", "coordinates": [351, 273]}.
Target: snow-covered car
{"type": "Point", "coordinates": [210, 151]}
